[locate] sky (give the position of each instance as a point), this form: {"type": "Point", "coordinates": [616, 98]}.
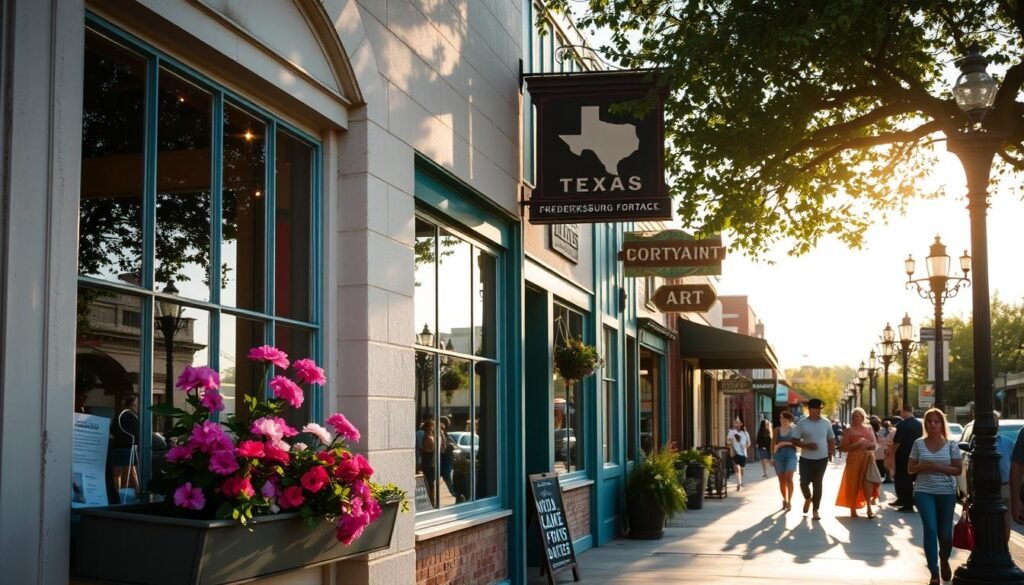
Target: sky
{"type": "Point", "coordinates": [829, 306]}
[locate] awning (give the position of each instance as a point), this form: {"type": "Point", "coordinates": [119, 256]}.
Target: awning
{"type": "Point", "coordinates": [718, 349]}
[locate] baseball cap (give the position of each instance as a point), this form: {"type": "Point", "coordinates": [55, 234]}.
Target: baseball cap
{"type": "Point", "coordinates": [815, 403]}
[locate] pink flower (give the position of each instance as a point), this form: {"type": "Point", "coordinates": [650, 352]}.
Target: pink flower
{"type": "Point", "coordinates": [266, 353]}
{"type": "Point", "coordinates": [343, 427]}
{"type": "Point", "coordinates": [347, 469]}
{"type": "Point", "coordinates": [327, 457]}
{"type": "Point", "coordinates": [223, 462]}
{"type": "Point", "coordinates": [201, 377]}
{"type": "Point", "coordinates": [319, 432]}
{"type": "Point", "coordinates": [361, 490]}
{"type": "Point", "coordinates": [315, 479]}
{"type": "Point", "coordinates": [272, 427]}
{"type": "Point", "coordinates": [180, 452]}
{"type": "Point", "coordinates": [251, 449]}
{"type": "Point", "coordinates": [213, 400]}
{"type": "Point", "coordinates": [210, 437]}
{"type": "Point", "coordinates": [291, 497]}
{"type": "Point", "coordinates": [364, 466]}
{"type": "Point", "coordinates": [189, 497]}
{"type": "Point", "coordinates": [373, 509]}
{"type": "Point", "coordinates": [287, 390]}
{"type": "Point", "coordinates": [307, 371]}
{"type": "Point", "coordinates": [351, 524]}
{"type": "Point", "coordinates": [236, 486]}
{"type": "Point", "coordinates": [273, 453]}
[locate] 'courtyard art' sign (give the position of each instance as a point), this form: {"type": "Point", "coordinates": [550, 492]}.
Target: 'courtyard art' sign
{"type": "Point", "coordinates": [596, 163]}
{"type": "Point", "coordinates": [670, 254]}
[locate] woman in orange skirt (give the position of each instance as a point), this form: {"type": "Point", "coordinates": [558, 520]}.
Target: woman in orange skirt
{"type": "Point", "coordinates": [860, 484]}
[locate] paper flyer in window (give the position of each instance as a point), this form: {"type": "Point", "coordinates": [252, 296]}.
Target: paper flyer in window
{"type": "Point", "coordinates": [89, 461]}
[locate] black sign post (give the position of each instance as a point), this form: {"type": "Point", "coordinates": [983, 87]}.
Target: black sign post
{"type": "Point", "coordinates": [549, 513]}
{"type": "Point", "coordinates": [595, 161]}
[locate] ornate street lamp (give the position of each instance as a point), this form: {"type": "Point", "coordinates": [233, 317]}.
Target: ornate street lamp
{"type": "Point", "coordinates": [976, 93]}
{"type": "Point", "coordinates": [425, 370]}
{"type": "Point", "coordinates": [169, 321]}
{"type": "Point", "coordinates": [907, 346]}
{"type": "Point", "coordinates": [888, 346]}
{"type": "Point", "coordinates": [940, 286]}
{"type": "Point", "coordinates": [872, 375]}
{"type": "Point", "coordinates": [862, 374]}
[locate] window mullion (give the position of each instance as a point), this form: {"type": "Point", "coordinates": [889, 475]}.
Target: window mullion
{"type": "Point", "coordinates": [270, 225]}
{"type": "Point", "coordinates": [217, 199]}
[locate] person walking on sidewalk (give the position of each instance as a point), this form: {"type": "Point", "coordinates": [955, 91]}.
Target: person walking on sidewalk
{"type": "Point", "coordinates": [814, 436]}
{"type": "Point", "coordinates": [785, 458]}
{"type": "Point", "coordinates": [908, 431]}
{"type": "Point", "coordinates": [936, 461]}
{"type": "Point", "coordinates": [739, 442]}
{"type": "Point", "coordinates": [764, 446]}
{"type": "Point", "coordinates": [860, 477]}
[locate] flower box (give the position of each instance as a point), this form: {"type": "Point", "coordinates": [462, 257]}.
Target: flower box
{"type": "Point", "coordinates": [129, 544]}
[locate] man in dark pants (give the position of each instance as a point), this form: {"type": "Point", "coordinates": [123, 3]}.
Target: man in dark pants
{"type": "Point", "coordinates": [908, 432]}
{"type": "Point", "coordinates": [817, 443]}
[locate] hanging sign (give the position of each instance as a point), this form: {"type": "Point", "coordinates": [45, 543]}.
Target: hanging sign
{"type": "Point", "coordinates": [735, 386]}
{"type": "Point", "coordinates": [596, 162]}
{"type": "Point", "coordinates": [684, 298]}
{"type": "Point", "coordinates": [549, 513]}
{"type": "Point", "coordinates": [670, 254]}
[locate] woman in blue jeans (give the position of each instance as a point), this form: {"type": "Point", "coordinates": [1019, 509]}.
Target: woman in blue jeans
{"type": "Point", "coordinates": [936, 461]}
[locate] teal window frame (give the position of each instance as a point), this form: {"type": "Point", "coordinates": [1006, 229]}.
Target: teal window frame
{"type": "Point", "coordinates": [155, 60]}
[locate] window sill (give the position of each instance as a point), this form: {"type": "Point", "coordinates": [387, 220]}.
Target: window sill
{"type": "Point", "coordinates": [460, 524]}
{"type": "Point", "coordinates": [575, 484]}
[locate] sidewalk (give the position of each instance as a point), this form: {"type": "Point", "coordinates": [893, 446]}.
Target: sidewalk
{"type": "Point", "coordinates": [745, 539]}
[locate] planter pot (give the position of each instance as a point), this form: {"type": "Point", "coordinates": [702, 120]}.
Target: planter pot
{"type": "Point", "coordinates": [646, 520]}
{"type": "Point", "coordinates": [694, 479]}
{"type": "Point", "coordinates": [131, 544]}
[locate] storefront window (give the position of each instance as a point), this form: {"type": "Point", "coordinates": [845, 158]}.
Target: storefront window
{"type": "Point", "coordinates": [174, 237]}
{"type": "Point", "coordinates": [567, 432]}
{"type": "Point", "coordinates": [456, 366]}
{"type": "Point", "coordinates": [608, 391]}
{"type": "Point", "coordinates": [649, 400]}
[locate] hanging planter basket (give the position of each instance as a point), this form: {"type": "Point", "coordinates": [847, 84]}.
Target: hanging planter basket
{"type": "Point", "coordinates": [575, 360]}
{"type": "Point", "coordinates": [134, 544]}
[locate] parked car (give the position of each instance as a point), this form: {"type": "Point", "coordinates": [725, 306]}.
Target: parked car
{"type": "Point", "coordinates": [956, 430]}
{"type": "Point", "coordinates": [465, 442]}
{"type": "Point", "coordinates": [1008, 427]}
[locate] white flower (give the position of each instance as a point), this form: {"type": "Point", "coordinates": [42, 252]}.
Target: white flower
{"type": "Point", "coordinates": [319, 432]}
{"type": "Point", "coordinates": [299, 447]}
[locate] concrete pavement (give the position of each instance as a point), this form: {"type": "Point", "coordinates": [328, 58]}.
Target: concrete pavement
{"type": "Point", "coordinates": [746, 539]}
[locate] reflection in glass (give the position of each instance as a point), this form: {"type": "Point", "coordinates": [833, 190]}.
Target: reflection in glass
{"type": "Point", "coordinates": [485, 429]}
{"type": "Point", "coordinates": [425, 293]}
{"type": "Point", "coordinates": [426, 432]}
{"type": "Point", "coordinates": [243, 247]}
{"type": "Point", "coordinates": [113, 131]}
{"type": "Point", "coordinates": [649, 436]}
{"type": "Point", "coordinates": [108, 355]}
{"type": "Point", "coordinates": [608, 395]}
{"type": "Point", "coordinates": [181, 339]}
{"type": "Point", "coordinates": [454, 286]}
{"type": "Point", "coordinates": [298, 344]}
{"type": "Point", "coordinates": [630, 399]}
{"type": "Point", "coordinates": [239, 376]}
{"type": "Point", "coordinates": [455, 452]}
{"type": "Point", "coordinates": [293, 235]}
{"type": "Point", "coordinates": [184, 144]}
{"type": "Point", "coordinates": [484, 289]}
{"type": "Point", "coordinates": [567, 407]}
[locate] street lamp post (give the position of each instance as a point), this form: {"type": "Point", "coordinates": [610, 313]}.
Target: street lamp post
{"type": "Point", "coordinates": [862, 375]}
{"type": "Point", "coordinates": [940, 286]}
{"type": "Point", "coordinates": [169, 321]}
{"type": "Point", "coordinates": [872, 375]}
{"type": "Point", "coordinates": [888, 351]}
{"type": "Point", "coordinates": [905, 349]}
{"type": "Point", "coordinates": [425, 369]}
{"type": "Point", "coordinates": [976, 94]}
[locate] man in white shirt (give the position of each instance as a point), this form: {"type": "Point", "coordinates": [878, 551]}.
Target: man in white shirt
{"type": "Point", "coordinates": [817, 443]}
{"type": "Point", "coordinates": [739, 442]}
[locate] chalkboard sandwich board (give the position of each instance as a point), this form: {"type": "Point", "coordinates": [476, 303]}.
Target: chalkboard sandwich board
{"type": "Point", "coordinates": [549, 513]}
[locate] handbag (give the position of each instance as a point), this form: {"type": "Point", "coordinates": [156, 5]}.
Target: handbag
{"type": "Point", "coordinates": [871, 474]}
{"type": "Point", "coordinates": [963, 531]}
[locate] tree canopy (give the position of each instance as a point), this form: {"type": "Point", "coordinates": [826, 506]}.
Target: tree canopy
{"type": "Point", "coordinates": [826, 383]}
{"type": "Point", "coordinates": [794, 120]}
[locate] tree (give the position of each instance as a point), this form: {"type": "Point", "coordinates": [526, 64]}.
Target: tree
{"type": "Point", "coordinates": [826, 383]}
{"type": "Point", "coordinates": [796, 120]}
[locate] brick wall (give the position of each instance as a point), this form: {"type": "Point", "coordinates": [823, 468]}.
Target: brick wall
{"type": "Point", "coordinates": [577, 510]}
{"type": "Point", "coordinates": [471, 556]}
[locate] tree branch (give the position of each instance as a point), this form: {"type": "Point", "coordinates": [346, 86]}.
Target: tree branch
{"type": "Point", "coordinates": [863, 142]}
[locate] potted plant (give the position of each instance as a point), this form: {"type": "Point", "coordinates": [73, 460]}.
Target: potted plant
{"type": "Point", "coordinates": [244, 498]}
{"type": "Point", "coordinates": [694, 468]}
{"type": "Point", "coordinates": [653, 494]}
{"type": "Point", "coordinates": [575, 360]}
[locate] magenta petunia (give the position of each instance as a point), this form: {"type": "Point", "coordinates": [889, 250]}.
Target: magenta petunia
{"type": "Point", "coordinates": [180, 452]}
{"type": "Point", "coordinates": [287, 390]}
{"type": "Point", "coordinates": [343, 427]}
{"type": "Point", "coordinates": [319, 432]}
{"type": "Point", "coordinates": [251, 449]}
{"type": "Point", "coordinates": [209, 437]}
{"type": "Point", "coordinates": [315, 479]}
{"type": "Point", "coordinates": [347, 469]}
{"type": "Point", "coordinates": [291, 497]}
{"type": "Point", "coordinates": [189, 497]}
{"type": "Point", "coordinates": [198, 377]}
{"type": "Point", "coordinates": [307, 371]}
{"type": "Point", "coordinates": [352, 522]}
{"type": "Point", "coordinates": [364, 466]}
{"type": "Point", "coordinates": [236, 486]}
{"type": "Point", "coordinates": [223, 462]}
{"type": "Point", "coordinates": [272, 427]}
{"type": "Point", "coordinates": [274, 453]}
{"type": "Point", "coordinates": [212, 400]}
{"type": "Point", "coordinates": [327, 457]}
{"type": "Point", "coordinates": [272, 355]}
